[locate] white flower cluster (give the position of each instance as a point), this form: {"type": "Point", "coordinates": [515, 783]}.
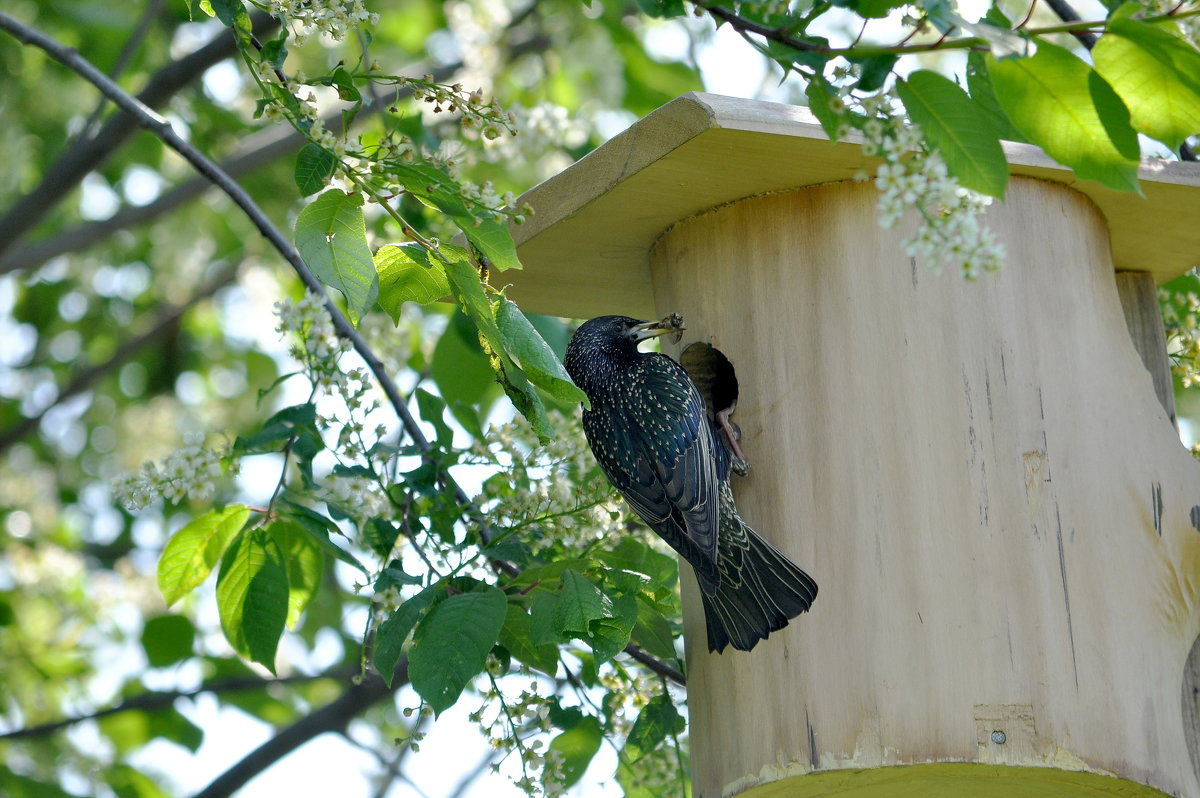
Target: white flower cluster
{"type": "Point", "coordinates": [360, 497]}
{"type": "Point", "coordinates": [333, 17]}
{"type": "Point", "coordinates": [518, 723]}
{"type": "Point", "coordinates": [1183, 334]}
{"type": "Point", "coordinates": [554, 491]}
{"type": "Point", "coordinates": [189, 472]}
{"type": "Point", "coordinates": [320, 347]}
{"type": "Point", "coordinates": [912, 177]}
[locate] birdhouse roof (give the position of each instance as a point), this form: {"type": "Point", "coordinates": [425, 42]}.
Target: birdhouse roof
{"type": "Point", "coordinates": [586, 247]}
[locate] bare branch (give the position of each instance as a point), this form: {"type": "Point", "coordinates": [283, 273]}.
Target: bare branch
{"type": "Point", "coordinates": [1066, 13]}
{"type": "Point", "coordinates": [163, 323]}
{"type": "Point", "coordinates": [332, 717]}
{"type": "Point", "coordinates": [87, 154]}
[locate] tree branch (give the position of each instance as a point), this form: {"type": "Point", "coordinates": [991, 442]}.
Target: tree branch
{"type": "Point", "coordinates": [260, 149]}
{"type": "Point", "coordinates": [165, 321]}
{"type": "Point", "coordinates": [161, 699]}
{"type": "Point", "coordinates": [128, 50]}
{"type": "Point", "coordinates": [87, 154]}
{"type": "Point", "coordinates": [147, 118]}
{"type": "Point", "coordinates": [334, 716]}
{"type": "Point", "coordinates": [1066, 13]}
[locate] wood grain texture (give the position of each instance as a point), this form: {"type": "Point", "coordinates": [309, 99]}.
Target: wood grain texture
{"type": "Point", "coordinates": [1143, 317]}
{"type": "Point", "coordinates": [585, 248]}
{"type": "Point", "coordinates": [980, 477]}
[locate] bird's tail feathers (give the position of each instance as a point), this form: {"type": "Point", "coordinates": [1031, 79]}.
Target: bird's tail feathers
{"type": "Point", "coordinates": [760, 591]}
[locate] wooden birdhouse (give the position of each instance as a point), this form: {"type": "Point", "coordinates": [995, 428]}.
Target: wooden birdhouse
{"type": "Point", "coordinates": [995, 502]}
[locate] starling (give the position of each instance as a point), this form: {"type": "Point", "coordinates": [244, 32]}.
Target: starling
{"type": "Point", "coordinates": [650, 433]}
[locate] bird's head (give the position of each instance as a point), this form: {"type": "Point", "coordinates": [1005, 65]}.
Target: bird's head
{"type": "Point", "coordinates": [614, 340]}
{"type": "Point", "coordinates": [627, 331]}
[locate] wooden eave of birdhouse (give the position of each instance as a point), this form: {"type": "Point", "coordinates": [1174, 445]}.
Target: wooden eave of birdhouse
{"type": "Point", "coordinates": [586, 247]}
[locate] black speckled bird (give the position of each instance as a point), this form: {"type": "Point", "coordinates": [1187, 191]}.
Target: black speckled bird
{"type": "Point", "coordinates": [648, 429]}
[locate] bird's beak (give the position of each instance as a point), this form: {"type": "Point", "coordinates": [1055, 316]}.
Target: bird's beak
{"type": "Point", "coordinates": [669, 325]}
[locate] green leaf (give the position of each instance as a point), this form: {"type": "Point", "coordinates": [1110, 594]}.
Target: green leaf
{"type": "Point", "coordinates": [314, 165]}
{"type": "Point", "coordinates": [631, 554]}
{"type": "Point", "coordinates": [433, 410]}
{"type": "Point", "coordinates": [875, 9]}
{"type": "Point", "coordinates": [252, 596]}
{"type": "Point", "coordinates": [192, 552]}
{"type": "Point", "coordinates": [452, 643]}
{"type": "Point", "coordinates": [297, 421]}
{"type": "Point", "coordinates": [168, 639]}
{"type": "Point", "coordinates": [608, 636]}
{"type": "Point", "coordinates": [820, 93]}
{"type": "Point", "coordinates": [332, 238]}
{"type": "Point", "coordinates": [1157, 74]}
{"type": "Point", "coordinates": [460, 368]}
{"type": "Point", "coordinates": [491, 239]}
{"type": "Point", "coordinates": [393, 632]}
{"type": "Point", "coordinates": [661, 8]}
{"type": "Point", "coordinates": [1060, 104]}
{"type": "Point", "coordinates": [577, 745]}
{"type": "Point", "coordinates": [543, 607]}
{"type": "Point", "coordinates": [305, 566]}
{"type": "Point", "coordinates": [979, 83]}
{"type": "Point", "coordinates": [653, 631]}
{"type": "Point", "coordinates": [541, 365]}
{"type": "Point", "coordinates": [579, 603]}
{"type": "Point", "coordinates": [875, 70]}
{"type": "Point", "coordinates": [468, 291]}
{"type": "Point", "coordinates": [517, 636]}
{"type": "Point", "coordinates": [408, 274]}
{"type": "Point", "coordinates": [319, 528]}
{"type": "Point", "coordinates": [657, 719]}
{"type": "Point", "coordinates": [955, 124]}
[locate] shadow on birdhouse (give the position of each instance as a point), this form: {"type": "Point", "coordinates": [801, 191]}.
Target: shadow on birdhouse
{"type": "Point", "coordinates": [715, 379]}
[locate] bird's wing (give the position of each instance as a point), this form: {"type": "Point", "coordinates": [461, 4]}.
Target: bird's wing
{"type": "Point", "coordinates": [671, 481]}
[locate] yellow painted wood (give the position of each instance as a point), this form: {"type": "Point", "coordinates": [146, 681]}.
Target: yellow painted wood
{"type": "Point", "coordinates": [953, 780]}
{"type": "Point", "coordinates": [980, 477]}
{"type": "Point", "coordinates": [585, 248]}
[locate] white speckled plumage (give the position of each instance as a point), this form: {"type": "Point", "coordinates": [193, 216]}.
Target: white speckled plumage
{"type": "Point", "coordinates": [648, 429]}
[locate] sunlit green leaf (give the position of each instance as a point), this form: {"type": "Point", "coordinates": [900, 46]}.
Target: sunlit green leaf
{"type": "Point", "coordinates": [1059, 103]}
{"type": "Point", "coordinates": [955, 124]}
{"type": "Point", "coordinates": [332, 238]}
{"type": "Point", "coordinates": [536, 357]}
{"type": "Point", "coordinates": [192, 552]}
{"type": "Point", "coordinates": [577, 746]}
{"type": "Point", "coordinates": [305, 566]}
{"type": "Point", "coordinates": [579, 603]}
{"type": "Point", "coordinates": [1157, 74]}
{"type": "Point", "coordinates": [252, 596]}
{"type": "Point", "coordinates": [408, 274]}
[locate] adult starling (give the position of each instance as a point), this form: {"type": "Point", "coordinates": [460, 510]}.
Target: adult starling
{"type": "Point", "coordinates": [649, 431]}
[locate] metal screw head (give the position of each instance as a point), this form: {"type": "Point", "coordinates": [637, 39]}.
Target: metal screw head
{"type": "Point", "coordinates": [999, 737]}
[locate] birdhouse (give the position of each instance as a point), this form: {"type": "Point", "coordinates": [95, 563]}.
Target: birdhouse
{"type": "Point", "coordinates": [983, 477]}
